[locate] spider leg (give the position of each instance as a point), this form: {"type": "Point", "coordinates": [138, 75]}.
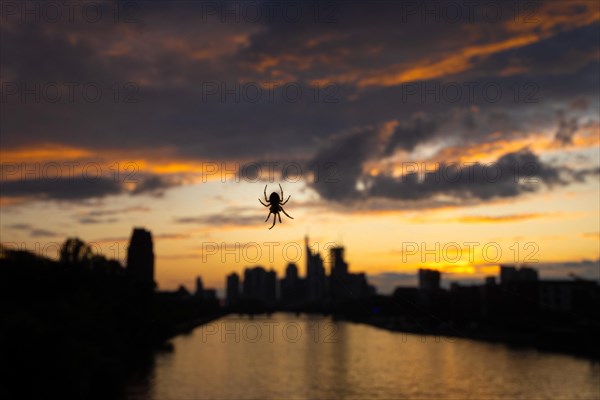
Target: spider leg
{"type": "Point", "coordinates": [265, 192]}
{"type": "Point", "coordinates": [268, 216]}
{"type": "Point", "coordinates": [274, 221]}
{"type": "Point", "coordinates": [279, 215]}
{"type": "Point", "coordinates": [266, 205]}
{"type": "Point", "coordinates": [281, 191]}
{"type": "Point", "coordinates": [286, 213]}
{"type": "Point", "coordinates": [282, 203]}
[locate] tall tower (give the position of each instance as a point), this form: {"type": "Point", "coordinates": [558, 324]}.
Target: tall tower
{"type": "Point", "coordinates": [315, 274]}
{"type": "Point", "coordinates": [339, 280]}
{"type": "Point", "coordinates": [140, 257]}
{"type": "Point", "coordinates": [233, 289]}
{"type": "Point", "coordinates": [290, 285]}
{"type": "Point", "coordinates": [199, 287]}
{"type": "Point", "coordinates": [339, 267]}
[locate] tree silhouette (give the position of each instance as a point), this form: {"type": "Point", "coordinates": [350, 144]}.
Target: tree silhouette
{"type": "Point", "coordinates": [75, 251]}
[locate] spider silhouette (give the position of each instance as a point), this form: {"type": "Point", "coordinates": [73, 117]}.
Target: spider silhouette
{"type": "Point", "coordinates": [274, 203]}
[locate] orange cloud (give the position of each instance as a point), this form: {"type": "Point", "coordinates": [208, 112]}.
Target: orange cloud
{"type": "Point", "coordinates": [478, 219]}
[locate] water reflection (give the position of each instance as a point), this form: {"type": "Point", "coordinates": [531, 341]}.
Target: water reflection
{"type": "Point", "coordinates": [288, 356]}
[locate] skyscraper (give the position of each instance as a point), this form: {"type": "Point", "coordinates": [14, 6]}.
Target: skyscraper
{"type": "Point", "coordinates": [315, 274]}
{"type": "Point", "coordinates": [232, 295]}
{"type": "Point", "coordinates": [271, 287]}
{"type": "Point", "coordinates": [338, 265]}
{"type": "Point", "coordinates": [140, 257]}
{"type": "Point", "coordinates": [512, 274]}
{"type": "Point", "coordinates": [291, 285]}
{"type": "Point", "coordinates": [260, 284]}
{"type": "Point", "coordinates": [429, 279]}
{"type": "Point", "coordinates": [199, 288]}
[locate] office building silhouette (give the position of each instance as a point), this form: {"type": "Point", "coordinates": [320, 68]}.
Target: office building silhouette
{"type": "Point", "coordinates": [291, 286]}
{"type": "Point", "coordinates": [511, 274]}
{"type": "Point", "coordinates": [199, 288]}
{"type": "Point", "coordinates": [429, 279]}
{"type": "Point", "coordinates": [344, 285]}
{"type": "Point", "coordinates": [232, 291]}
{"type": "Point", "coordinates": [315, 274]}
{"type": "Point", "coordinates": [260, 284]}
{"type": "Point", "coordinates": [140, 257]}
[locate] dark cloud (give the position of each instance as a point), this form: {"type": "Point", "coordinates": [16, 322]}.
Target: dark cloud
{"type": "Point", "coordinates": [511, 175]}
{"type": "Point", "coordinates": [584, 173]}
{"type": "Point", "coordinates": [344, 157]}
{"type": "Point", "coordinates": [82, 188]}
{"type": "Point", "coordinates": [90, 220]}
{"type": "Point", "coordinates": [155, 185]}
{"type": "Point", "coordinates": [409, 134]}
{"type": "Point", "coordinates": [170, 64]}
{"type": "Point", "coordinates": [33, 231]}
{"type": "Point", "coordinates": [171, 236]}
{"type": "Point", "coordinates": [104, 213]}
{"type": "Point", "coordinates": [71, 189]}
{"type": "Point", "coordinates": [19, 226]}
{"type": "Point", "coordinates": [43, 233]}
{"type": "Point", "coordinates": [567, 127]}
{"type": "Point", "coordinates": [224, 219]}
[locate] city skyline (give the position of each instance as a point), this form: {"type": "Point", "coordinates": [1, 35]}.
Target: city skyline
{"type": "Point", "coordinates": [318, 270]}
{"type": "Point", "coordinates": [348, 108]}
{"type": "Point", "coordinates": [309, 199]}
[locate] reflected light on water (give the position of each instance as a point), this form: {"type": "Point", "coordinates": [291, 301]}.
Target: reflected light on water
{"type": "Point", "coordinates": [302, 357]}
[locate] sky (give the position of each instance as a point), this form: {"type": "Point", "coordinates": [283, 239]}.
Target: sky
{"type": "Point", "coordinates": [457, 136]}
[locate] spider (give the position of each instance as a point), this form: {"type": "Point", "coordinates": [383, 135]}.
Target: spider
{"type": "Point", "coordinates": [274, 203]}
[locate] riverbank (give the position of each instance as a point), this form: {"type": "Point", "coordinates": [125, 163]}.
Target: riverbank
{"type": "Point", "coordinates": [576, 342]}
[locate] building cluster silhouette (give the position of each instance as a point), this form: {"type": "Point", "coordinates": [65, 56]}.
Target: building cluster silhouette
{"type": "Point", "coordinates": [261, 287]}
{"type": "Point", "coordinates": [45, 301]}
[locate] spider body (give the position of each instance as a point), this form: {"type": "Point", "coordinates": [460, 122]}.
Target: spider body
{"type": "Point", "coordinates": [275, 203]}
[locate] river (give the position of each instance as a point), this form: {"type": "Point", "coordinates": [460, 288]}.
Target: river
{"type": "Point", "coordinates": [311, 357]}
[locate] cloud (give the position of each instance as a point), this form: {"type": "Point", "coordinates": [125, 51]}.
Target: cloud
{"type": "Point", "coordinates": [364, 53]}
{"type": "Point", "coordinates": [111, 212]}
{"type": "Point", "coordinates": [511, 175]}
{"type": "Point", "coordinates": [344, 156]}
{"type": "Point", "coordinates": [407, 136]}
{"type": "Point", "coordinates": [591, 235]}
{"type": "Point", "coordinates": [43, 233]}
{"type": "Point", "coordinates": [567, 127]}
{"type": "Point", "coordinates": [476, 181]}
{"type": "Point", "coordinates": [171, 236]}
{"type": "Point", "coordinates": [470, 219]}
{"type": "Point", "coordinates": [224, 219]}
{"type": "Point", "coordinates": [386, 282]}
{"type": "Point", "coordinates": [19, 226]}
{"type": "Point", "coordinates": [90, 220]}
{"type": "Point", "coordinates": [72, 189]}
{"type": "Point", "coordinates": [33, 231]}
{"type": "Point", "coordinates": [78, 188]}
{"type": "Point", "coordinates": [586, 269]}
{"type": "Point", "coordinates": [155, 185]}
